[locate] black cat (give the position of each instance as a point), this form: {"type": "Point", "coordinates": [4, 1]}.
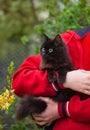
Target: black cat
{"type": "Point", "coordinates": [55, 59]}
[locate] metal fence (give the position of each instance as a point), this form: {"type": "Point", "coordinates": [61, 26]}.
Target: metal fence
{"type": "Point", "coordinates": [20, 52]}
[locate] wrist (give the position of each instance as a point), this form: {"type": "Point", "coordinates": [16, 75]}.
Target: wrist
{"type": "Point", "coordinates": [63, 109]}
{"type": "Point", "coordinates": [65, 85]}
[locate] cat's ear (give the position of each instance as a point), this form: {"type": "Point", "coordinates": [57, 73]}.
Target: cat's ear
{"type": "Point", "coordinates": [46, 38]}
{"type": "Point", "coordinates": [58, 40]}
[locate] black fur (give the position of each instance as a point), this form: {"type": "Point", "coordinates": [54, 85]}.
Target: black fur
{"type": "Point", "coordinates": [29, 105]}
{"type": "Point", "coordinates": [54, 58]}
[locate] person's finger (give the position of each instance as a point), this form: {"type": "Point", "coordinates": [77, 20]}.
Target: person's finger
{"type": "Point", "coordinates": [48, 124]}
{"type": "Point", "coordinates": [41, 123]}
{"type": "Point", "coordinates": [38, 115]}
{"type": "Point", "coordinates": [46, 99]}
{"type": "Point", "coordinates": [38, 118]}
{"type": "Point", "coordinates": [86, 91]}
{"type": "Point", "coordinates": [84, 71]}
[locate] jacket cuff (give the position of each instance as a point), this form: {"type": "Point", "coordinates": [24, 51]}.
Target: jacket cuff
{"type": "Point", "coordinates": [63, 109]}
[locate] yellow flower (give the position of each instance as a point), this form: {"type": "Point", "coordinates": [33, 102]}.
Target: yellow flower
{"type": "Point", "coordinates": [6, 99]}
{"type": "Point", "coordinates": [5, 106]}
{"type": "Point", "coordinates": [11, 99]}
{"type": "Point", "coordinates": [6, 93]}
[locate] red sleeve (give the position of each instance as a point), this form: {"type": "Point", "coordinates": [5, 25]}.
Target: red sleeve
{"type": "Point", "coordinates": [79, 109]}
{"type": "Point", "coordinates": [29, 79]}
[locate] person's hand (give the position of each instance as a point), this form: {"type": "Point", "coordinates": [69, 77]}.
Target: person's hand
{"type": "Point", "coordinates": [78, 80]}
{"type": "Point", "coordinates": [49, 115]}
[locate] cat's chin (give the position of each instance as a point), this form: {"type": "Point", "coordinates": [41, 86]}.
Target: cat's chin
{"type": "Point", "coordinates": [44, 66]}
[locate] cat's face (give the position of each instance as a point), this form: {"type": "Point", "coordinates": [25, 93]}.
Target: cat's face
{"type": "Point", "coordinates": [51, 47]}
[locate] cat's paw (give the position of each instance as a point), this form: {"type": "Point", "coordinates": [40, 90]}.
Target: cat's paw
{"type": "Point", "coordinates": [61, 79]}
{"type": "Point", "coordinates": [51, 78]}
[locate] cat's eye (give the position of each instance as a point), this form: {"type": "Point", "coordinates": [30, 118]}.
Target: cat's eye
{"type": "Point", "coordinates": [50, 50]}
{"type": "Point", "coordinates": [43, 49]}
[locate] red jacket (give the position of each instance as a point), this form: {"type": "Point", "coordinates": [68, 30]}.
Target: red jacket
{"type": "Point", "coordinates": [29, 79]}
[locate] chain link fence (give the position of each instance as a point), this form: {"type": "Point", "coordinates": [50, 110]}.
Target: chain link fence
{"type": "Point", "coordinates": [16, 53]}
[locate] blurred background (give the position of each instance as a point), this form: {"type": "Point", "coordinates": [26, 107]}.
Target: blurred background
{"type": "Point", "coordinates": [22, 24]}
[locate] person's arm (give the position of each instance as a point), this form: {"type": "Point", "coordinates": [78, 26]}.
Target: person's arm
{"type": "Point", "coordinates": [75, 109]}
{"type": "Point", "coordinates": [29, 79]}
{"type": "Point", "coordinates": [78, 80]}
{"type": "Point", "coordinates": [79, 110]}
{"type": "Point", "coordinates": [49, 115]}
